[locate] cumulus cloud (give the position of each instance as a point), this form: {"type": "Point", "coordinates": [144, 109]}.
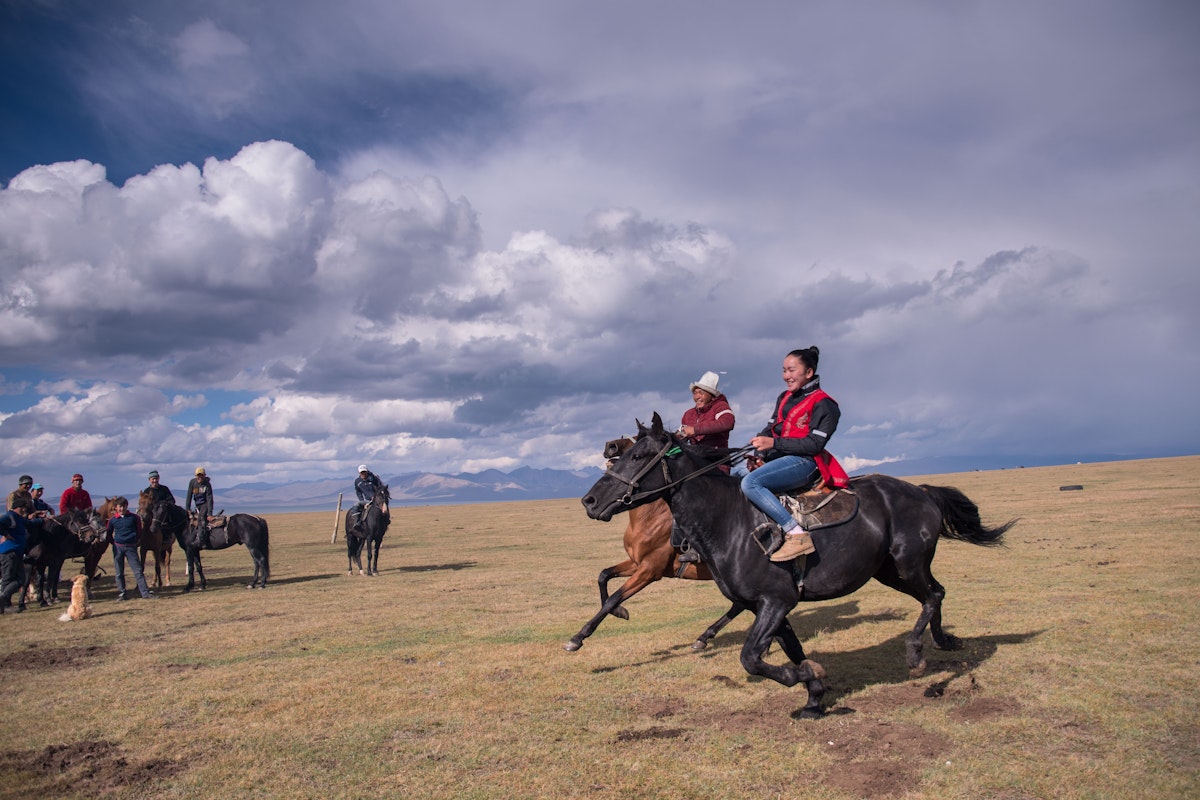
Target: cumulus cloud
{"type": "Point", "coordinates": [451, 240]}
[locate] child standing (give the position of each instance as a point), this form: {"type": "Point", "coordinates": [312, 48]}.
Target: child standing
{"type": "Point", "coordinates": [123, 527]}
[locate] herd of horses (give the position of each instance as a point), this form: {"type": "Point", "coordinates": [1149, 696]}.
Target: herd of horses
{"type": "Point", "coordinates": [164, 525]}
{"type": "Point", "coordinates": [81, 535]}
{"type": "Point", "coordinates": [662, 482]}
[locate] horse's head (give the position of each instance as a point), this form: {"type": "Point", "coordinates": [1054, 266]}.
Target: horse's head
{"type": "Point", "coordinates": [382, 498]}
{"type": "Point", "coordinates": [613, 448]}
{"type": "Point", "coordinates": [639, 475]}
{"type": "Point", "coordinates": [87, 525]}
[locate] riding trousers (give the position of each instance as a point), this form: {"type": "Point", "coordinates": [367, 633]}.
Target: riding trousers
{"type": "Point", "coordinates": [782, 474]}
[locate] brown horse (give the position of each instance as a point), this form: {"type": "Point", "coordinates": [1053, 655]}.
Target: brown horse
{"type": "Point", "coordinates": [162, 522]}
{"type": "Point", "coordinates": [651, 558]}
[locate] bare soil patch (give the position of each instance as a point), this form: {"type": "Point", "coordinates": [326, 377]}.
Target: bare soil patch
{"type": "Point", "coordinates": [92, 768]}
{"type": "Point", "coordinates": [39, 658]}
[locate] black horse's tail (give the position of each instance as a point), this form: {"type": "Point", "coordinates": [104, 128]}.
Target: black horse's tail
{"type": "Point", "coordinates": [960, 518]}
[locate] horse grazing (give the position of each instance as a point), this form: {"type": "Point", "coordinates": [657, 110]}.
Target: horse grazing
{"type": "Point", "coordinates": [223, 532]}
{"type": "Point", "coordinates": [367, 531]}
{"type": "Point", "coordinates": [162, 523]}
{"type": "Point", "coordinates": [651, 558]}
{"type": "Point", "coordinates": [892, 539]}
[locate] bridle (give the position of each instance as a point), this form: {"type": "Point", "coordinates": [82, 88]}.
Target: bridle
{"type": "Point", "coordinates": [670, 449]}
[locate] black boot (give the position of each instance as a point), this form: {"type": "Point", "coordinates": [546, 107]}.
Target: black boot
{"type": "Point", "coordinates": [203, 539]}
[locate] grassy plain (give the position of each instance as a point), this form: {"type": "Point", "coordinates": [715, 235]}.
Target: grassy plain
{"type": "Point", "coordinates": [445, 676]}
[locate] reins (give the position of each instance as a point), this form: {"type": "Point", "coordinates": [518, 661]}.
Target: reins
{"type": "Point", "coordinates": [669, 450]}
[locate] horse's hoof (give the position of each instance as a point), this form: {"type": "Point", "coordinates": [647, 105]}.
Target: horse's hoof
{"type": "Point", "coordinates": [572, 646]}
{"type": "Point", "coordinates": [919, 670]}
{"type": "Point", "coordinates": [809, 713]}
{"type": "Point", "coordinates": [620, 612]}
{"type": "Point", "coordinates": [699, 644]}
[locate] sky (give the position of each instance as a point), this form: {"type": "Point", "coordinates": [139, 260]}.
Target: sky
{"type": "Point", "coordinates": [280, 239]}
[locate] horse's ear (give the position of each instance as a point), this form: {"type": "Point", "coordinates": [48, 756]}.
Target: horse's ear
{"type": "Point", "coordinates": [642, 429]}
{"type": "Point", "coordinates": [656, 425]}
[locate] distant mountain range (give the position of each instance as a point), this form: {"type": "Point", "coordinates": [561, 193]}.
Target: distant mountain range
{"type": "Point", "coordinates": [527, 483]}
{"type": "Point", "coordinates": [415, 488]}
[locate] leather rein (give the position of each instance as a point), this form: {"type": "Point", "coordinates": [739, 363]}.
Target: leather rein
{"type": "Point", "coordinates": [670, 449]}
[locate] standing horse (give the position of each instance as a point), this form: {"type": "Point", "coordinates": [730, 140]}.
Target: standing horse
{"type": "Point", "coordinates": [651, 558]}
{"type": "Point", "coordinates": [367, 531]}
{"type": "Point", "coordinates": [245, 529]}
{"type": "Point", "coordinates": [891, 539]}
{"type": "Point", "coordinates": [162, 523]}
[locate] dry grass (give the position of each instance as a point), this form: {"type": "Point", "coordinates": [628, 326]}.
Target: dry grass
{"type": "Point", "coordinates": [445, 677]}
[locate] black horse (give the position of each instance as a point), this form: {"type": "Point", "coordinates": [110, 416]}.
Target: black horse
{"type": "Point", "coordinates": [367, 531]}
{"type": "Point", "coordinates": [53, 540]}
{"type": "Point", "coordinates": [891, 539]}
{"type": "Point", "coordinates": [225, 532]}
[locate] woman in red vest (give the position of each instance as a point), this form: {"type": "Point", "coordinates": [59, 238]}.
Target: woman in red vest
{"type": "Point", "coordinates": [792, 448]}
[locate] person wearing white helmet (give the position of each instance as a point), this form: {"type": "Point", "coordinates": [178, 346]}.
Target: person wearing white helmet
{"type": "Point", "coordinates": [365, 486]}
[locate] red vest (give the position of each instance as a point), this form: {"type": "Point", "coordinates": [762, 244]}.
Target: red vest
{"type": "Point", "coordinates": [796, 426]}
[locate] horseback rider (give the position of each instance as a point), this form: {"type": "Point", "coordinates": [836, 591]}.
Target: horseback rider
{"type": "Point", "coordinates": [157, 492]}
{"type": "Point", "coordinates": [707, 424]}
{"type": "Point", "coordinates": [792, 449]}
{"type": "Point", "coordinates": [365, 486]}
{"type": "Point", "coordinates": [200, 492]}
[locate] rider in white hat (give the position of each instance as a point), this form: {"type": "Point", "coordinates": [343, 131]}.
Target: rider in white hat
{"type": "Point", "coordinates": [365, 486]}
{"type": "Point", "coordinates": [707, 423]}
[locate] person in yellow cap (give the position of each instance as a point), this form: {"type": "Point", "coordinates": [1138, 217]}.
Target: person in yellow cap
{"type": "Point", "coordinates": [199, 491]}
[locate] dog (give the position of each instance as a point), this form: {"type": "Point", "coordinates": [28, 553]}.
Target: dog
{"type": "Point", "coordinates": [80, 608]}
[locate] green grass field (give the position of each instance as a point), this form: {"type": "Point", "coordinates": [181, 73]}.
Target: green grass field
{"type": "Point", "coordinates": [445, 676]}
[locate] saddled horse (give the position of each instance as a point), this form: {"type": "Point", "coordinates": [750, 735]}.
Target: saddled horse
{"type": "Point", "coordinates": [162, 523]}
{"type": "Point", "coordinates": [367, 532]}
{"type": "Point", "coordinates": [223, 532]}
{"type": "Point", "coordinates": [651, 558]}
{"type": "Point", "coordinates": [892, 538]}
{"type": "Point", "coordinates": [51, 542]}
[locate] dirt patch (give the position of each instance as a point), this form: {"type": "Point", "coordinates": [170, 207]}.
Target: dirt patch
{"type": "Point", "coordinates": [650, 733]}
{"type": "Point", "coordinates": [39, 658]}
{"type": "Point", "coordinates": [83, 768]}
{"type": "Point", "coordinates": [985, 708]}
{"type": "Point", "coordinates": [881, 759]}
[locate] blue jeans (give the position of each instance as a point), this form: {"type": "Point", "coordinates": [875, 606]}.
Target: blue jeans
{"type": "Point", "coordinates": [782, 474]}
{"type": "Point", "coordinates": [121, 554]}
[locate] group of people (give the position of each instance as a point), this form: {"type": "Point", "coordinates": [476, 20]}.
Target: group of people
{"type": "Point", "coordinates": [25, 507]}
{"type": "Point", "coordinates": [789, 452]}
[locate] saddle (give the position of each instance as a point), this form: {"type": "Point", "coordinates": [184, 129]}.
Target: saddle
{"type": "Point", "coordinates": [814, 508]}
{"type": "Point", "coordinates": [821, 507]}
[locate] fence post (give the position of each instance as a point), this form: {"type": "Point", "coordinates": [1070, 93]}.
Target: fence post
{"type": "Point", "coordinates": [337, 518]}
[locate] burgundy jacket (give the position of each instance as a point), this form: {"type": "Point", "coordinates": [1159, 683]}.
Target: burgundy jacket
{"type": "Point", "coordinates": [713, 424]}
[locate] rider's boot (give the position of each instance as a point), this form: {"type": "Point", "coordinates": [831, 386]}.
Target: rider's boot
{"type": "Point", "coordinates": [796, 542]}
{"type": "Point", "coordinates": [202, 539]}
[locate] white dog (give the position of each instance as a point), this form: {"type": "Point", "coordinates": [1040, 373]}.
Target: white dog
{"type": "Point", "coordinates": [80, 608]}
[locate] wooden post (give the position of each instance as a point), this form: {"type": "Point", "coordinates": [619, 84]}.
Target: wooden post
{"type": "Point", "coordinates": [337, 518]}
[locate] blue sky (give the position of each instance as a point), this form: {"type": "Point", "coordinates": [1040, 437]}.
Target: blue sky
{"type": "Point", "coordinates": [281, 239]}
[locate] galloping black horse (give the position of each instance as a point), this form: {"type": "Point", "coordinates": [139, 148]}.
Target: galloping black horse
{"type": "Point", "coordinates": [225, 532]}
{"type": "Point", "coordinates": [368, 531]}
{"type": "Point", "coordinates": [892, 539]}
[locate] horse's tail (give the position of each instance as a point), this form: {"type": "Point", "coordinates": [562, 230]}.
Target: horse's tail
{"type": "Point", "coordinates": [960, 518]}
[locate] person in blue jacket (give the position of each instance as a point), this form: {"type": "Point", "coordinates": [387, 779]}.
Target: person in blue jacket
{"type": "Point", "coordinates": [123, 527]}
{"type": "Point", "coordinates": [12, 551]}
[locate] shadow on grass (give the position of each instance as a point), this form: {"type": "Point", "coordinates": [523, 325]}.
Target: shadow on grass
{"type": "Point", "coordinates": [852, 670]}
{"type": "Point", "coordinates": [453, 567]}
